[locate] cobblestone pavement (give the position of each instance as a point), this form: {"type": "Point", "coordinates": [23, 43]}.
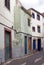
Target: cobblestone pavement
{"type": "Point", "coordinates": [34, 59]}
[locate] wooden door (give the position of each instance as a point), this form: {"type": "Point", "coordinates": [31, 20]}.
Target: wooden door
{"type": "Point", "coordinates": [29, 43]}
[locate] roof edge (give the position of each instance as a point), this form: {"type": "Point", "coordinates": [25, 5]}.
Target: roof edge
{"type": "Point", "coordinates": [25, 10]}
{"type": "Point", "coordinates": [36, 11]}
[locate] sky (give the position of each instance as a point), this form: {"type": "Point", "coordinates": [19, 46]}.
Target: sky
{"type": "Point", "coordinates": [36, 4]}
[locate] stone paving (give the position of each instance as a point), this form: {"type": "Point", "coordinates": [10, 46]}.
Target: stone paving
{"type": "Point", "coordinates": [34, 59]}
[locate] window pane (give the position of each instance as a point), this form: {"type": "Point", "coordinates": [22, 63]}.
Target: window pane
{"type": "Point", "coordinates": [28, 22]}
{"type": "Point", "coordinates": [33, 28]}
{"type": "Point", "coordinates": [38, 28]}
{"type": "Point", "coordinates": [33, 15]}
{"type": "Point", "coordinates": [7, 4]}
{"type": "Point", "coordinates": [38, 17]}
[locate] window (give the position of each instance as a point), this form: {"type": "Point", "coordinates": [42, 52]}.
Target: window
{"type": "Point", "coordinates": [28, 22]}
{"type": "Point", "coordinates": [38, 29]}
{"type": "Point", "coordinates": [38, 17]}
{"type": "Point", "coordinates": [33, 28]}
{"type": "Point", "coordinates": [33, 15]}
{"type": "Point", "coordinates": [7, 4]}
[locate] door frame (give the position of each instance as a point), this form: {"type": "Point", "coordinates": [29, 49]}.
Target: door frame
{"type": "Point", "coordinates": [40, 43]}
{"type": "Point", "coordinates": [8, 30]}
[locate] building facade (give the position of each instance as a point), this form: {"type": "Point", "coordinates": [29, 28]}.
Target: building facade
{"type": "Point", "coordinates": [22, 25]}
{"type": "Point", "coordinates": [6, 32]}
{"type": "Point", "coordinates": [36, 29]}
{"type": "Point", "coordinates": [20, 32]}
{"type": "Point", "coordinates": [12, 43]}
{"type": "Point", "coordinates": [30, 28]}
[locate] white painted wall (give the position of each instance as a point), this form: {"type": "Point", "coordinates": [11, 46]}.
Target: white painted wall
{"type": "Point", "coordinates": [5, 12]}
{"type": "Point", "coordinates": [1, 43]}
{"type": "Point", "coordinates": [35, 23]}
{"type": "Point", "coordinates": [7, 18]}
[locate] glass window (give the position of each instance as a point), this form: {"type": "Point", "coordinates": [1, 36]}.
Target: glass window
{"type": "Point", "coordinates": [33, 15]}
{"type": "Point", "coordinates": [38, 17]}
{"type": "Point", "coordinates": [33, 28]}
{"type": "Point", "coordinates": [28, 22]}
{"type": "Point", "coordinates": [38, 29]}
{"type": "Point", "coordinates": [7, 4]}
